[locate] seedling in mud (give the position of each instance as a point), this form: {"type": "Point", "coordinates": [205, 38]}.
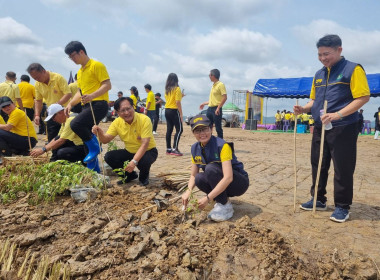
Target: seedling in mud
{"type": "Point", "coordinates": [192, 205]}
{"type": "Point", "coordinates": [43, 182]}
{"type": "Point", "coordinates": [121, 171]}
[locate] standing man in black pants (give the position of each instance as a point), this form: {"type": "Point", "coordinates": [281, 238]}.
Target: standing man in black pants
{"type": "Point", "coordinates": [218, 96]}
{"type": "Point", "coordinates": [158, 107]}
{"type": "Point", "coordinates": [93, 86]}
{"type": "Point", "coordinates": [344, 85]}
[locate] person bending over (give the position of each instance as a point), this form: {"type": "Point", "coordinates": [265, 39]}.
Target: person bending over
{"type": "Point", "coordinates": [140, 147]}
{"type": "Point", "coordinates": [223, 175]}
{"type": "Point", "coordinates": [67, 145]}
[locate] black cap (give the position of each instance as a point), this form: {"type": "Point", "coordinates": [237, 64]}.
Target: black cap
{"type": "Point", "coordinates": [4, 101]}
{"type": "Point", "coordinates": [199, 120]}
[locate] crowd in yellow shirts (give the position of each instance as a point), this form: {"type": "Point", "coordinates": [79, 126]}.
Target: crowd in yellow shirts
{"type": "Point", "coordinates": [286, 120]}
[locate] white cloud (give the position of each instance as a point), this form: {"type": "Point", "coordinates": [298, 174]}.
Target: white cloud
{"type": "Point", "coordinates": [358, 45]}
{"type": "Point", "coordinates": [13, 32]}
{"type": "Point", "coordinates": [156, 57]}
{"type": "Point", "coordinates": [125, 49]}
{"type": "Point", "coordinates": [242, 45]}
{"type": "Point", "coordinates": [187, 65]}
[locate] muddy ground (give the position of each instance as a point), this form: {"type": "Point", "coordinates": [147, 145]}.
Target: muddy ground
{"type": "Point", "coordinates": [107, 238]}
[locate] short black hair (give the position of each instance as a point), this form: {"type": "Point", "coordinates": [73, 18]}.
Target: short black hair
{"type": "Point", "coordinates": [35, 67]}
{"type": "Point", "coordinates": [330, 40]}
{"type": "Point", "coordinates": [215, 73]}
{"type": "Point", "coordinates": [25, 78]}
{"type": "Point", "coordinates": [148, 86]}
{"type": "Point", "coordinates": [121, 99]}
{"type": "Point", "coordinates": [11, 75]}
{"type": "Point", "coordinates": [158, 94]}
{"type": "Point", "coordinates": [74, 46]}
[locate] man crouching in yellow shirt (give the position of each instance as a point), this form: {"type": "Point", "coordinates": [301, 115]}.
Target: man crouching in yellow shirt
{"type": "Point", "coordinates": [140, 147]}
{"type": "Point", "coordinates": [14, 134]}
{"type": "Point", "coordinates": [67, 145]}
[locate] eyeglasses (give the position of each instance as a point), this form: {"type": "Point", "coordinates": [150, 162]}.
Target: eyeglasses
{"type": "Point", "coordinates": [201, 130]}
{"type": "Point", "coordinates": [71, 56]}
{"type": "Point", "coordinates": [126, 109]}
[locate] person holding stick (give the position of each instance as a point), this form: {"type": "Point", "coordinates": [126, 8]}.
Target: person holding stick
{"type": "Point", "coordinates": [223, 177]}
{"type": "Point", "coordinates": [93, 86]}
{"type": "Point", "coordinates": [135, 130]}
{"type": "Point", "coordinates": [15, 134]}
{"type": "Point", "coordinates": [343, 84]}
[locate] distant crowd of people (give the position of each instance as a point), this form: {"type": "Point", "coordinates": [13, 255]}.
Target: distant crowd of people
{"type": "Point", "coordinates": [287, 118]}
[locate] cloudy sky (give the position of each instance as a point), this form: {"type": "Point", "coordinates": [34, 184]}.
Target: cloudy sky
{"type": "Point", "coordinates": [143, 41]}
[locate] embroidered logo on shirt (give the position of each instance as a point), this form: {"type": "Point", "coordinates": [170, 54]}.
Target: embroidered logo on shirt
{"type": "Point", "coordinates": [319, 81]}
{"type": "Point", "coordinates": [198, 159]}
{"type": "Point", "coordinates": [339, 77]}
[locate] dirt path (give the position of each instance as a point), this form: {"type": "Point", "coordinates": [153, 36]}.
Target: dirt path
{"type": "Point", "coordinates": [268, 158]}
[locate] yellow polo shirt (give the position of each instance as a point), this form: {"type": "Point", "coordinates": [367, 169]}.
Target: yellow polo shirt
{"type": "Point", "coordinates": [358, 84]}
{"type": "Point", "coordinates": [2, 120]}
{"type": "Point", "coordinates": [131, 134]}
{"type": "Point", "coordinates": [27, 93]}
{"type": "Point", "coordinates": [18, 119]}
{"type": "Point", "coordinates": [73, 87]}
{"type": "Point", "coordinates": [10, 89]}
{"type": "Point", "coordinates": [53, 91]}
{"type": "Point", "coordinates": [217, 91]}
{"type": "Point", "coordinates": [91, 76]}
{"type": "Point", "coordinates": [287, 116]}
{"type": "Point", "coordinates": [133, 97]}
{"type": "Point", "coordinates": [67, 133]}
{"type": "Point", "coordinates": [172, 97]}
{"type": "Point", "coordinates": [152, 100]}
{"type": "Point", "coordinates": [278, 117]}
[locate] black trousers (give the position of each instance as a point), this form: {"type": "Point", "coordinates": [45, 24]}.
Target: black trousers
{"type": "Point", "coordinates": [156, 119]}
{"type": "Point", "coordinates": [206, 181]}
{"type": "Point", "coordinates": [340, 147]}
{"type": "Point", "coordinates": [173, 120]}
{"type": "Point", "coordinates": [42, 126]}
{"type": "Point", "coordinates": [216, 119]}
{"type": "Point", "coordinates": [70, 152]}
{"type": "Point", "coordinates": [116, 159]}
{"type": "Point", "coordinates": [14, 143]}
{"type": "Point", "coordinates": [52, 129]}
{"type": "Point", "coordinates": [83, 123]}
{"type": "Point", "coordinates": [30, 113]}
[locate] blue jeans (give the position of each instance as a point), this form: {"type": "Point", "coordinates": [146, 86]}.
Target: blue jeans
{"type": "Point", "coordinates": [215, 119]}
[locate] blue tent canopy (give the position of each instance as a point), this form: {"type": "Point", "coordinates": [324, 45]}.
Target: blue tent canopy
{"type": "Point", "coordinates": [300, 87]}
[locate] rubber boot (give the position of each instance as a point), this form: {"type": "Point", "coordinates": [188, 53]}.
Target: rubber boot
{"type": "Point", "coordinates": [93, 149]}
{"type": "Point", "coordinates": [94, 165]}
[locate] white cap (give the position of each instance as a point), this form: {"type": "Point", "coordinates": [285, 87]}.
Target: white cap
{"type": "Point", "coordinates": [52, 110]}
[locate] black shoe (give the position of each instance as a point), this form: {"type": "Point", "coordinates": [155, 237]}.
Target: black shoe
{"type": "Point", "coordinates": [128, 179]}
{"type": "Point", "coordinates": [145, 182]}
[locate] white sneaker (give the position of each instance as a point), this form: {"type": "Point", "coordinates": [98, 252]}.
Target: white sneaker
{"type": "Point", "coordinates": [154, 133]}
{"type": "Point", "coordinates": [221, 212]}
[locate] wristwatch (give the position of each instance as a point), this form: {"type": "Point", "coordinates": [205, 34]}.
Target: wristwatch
{"type": "Point", "coordinates": [44, 149]}
{"type": "Point", "coordinates": [135, 161]}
